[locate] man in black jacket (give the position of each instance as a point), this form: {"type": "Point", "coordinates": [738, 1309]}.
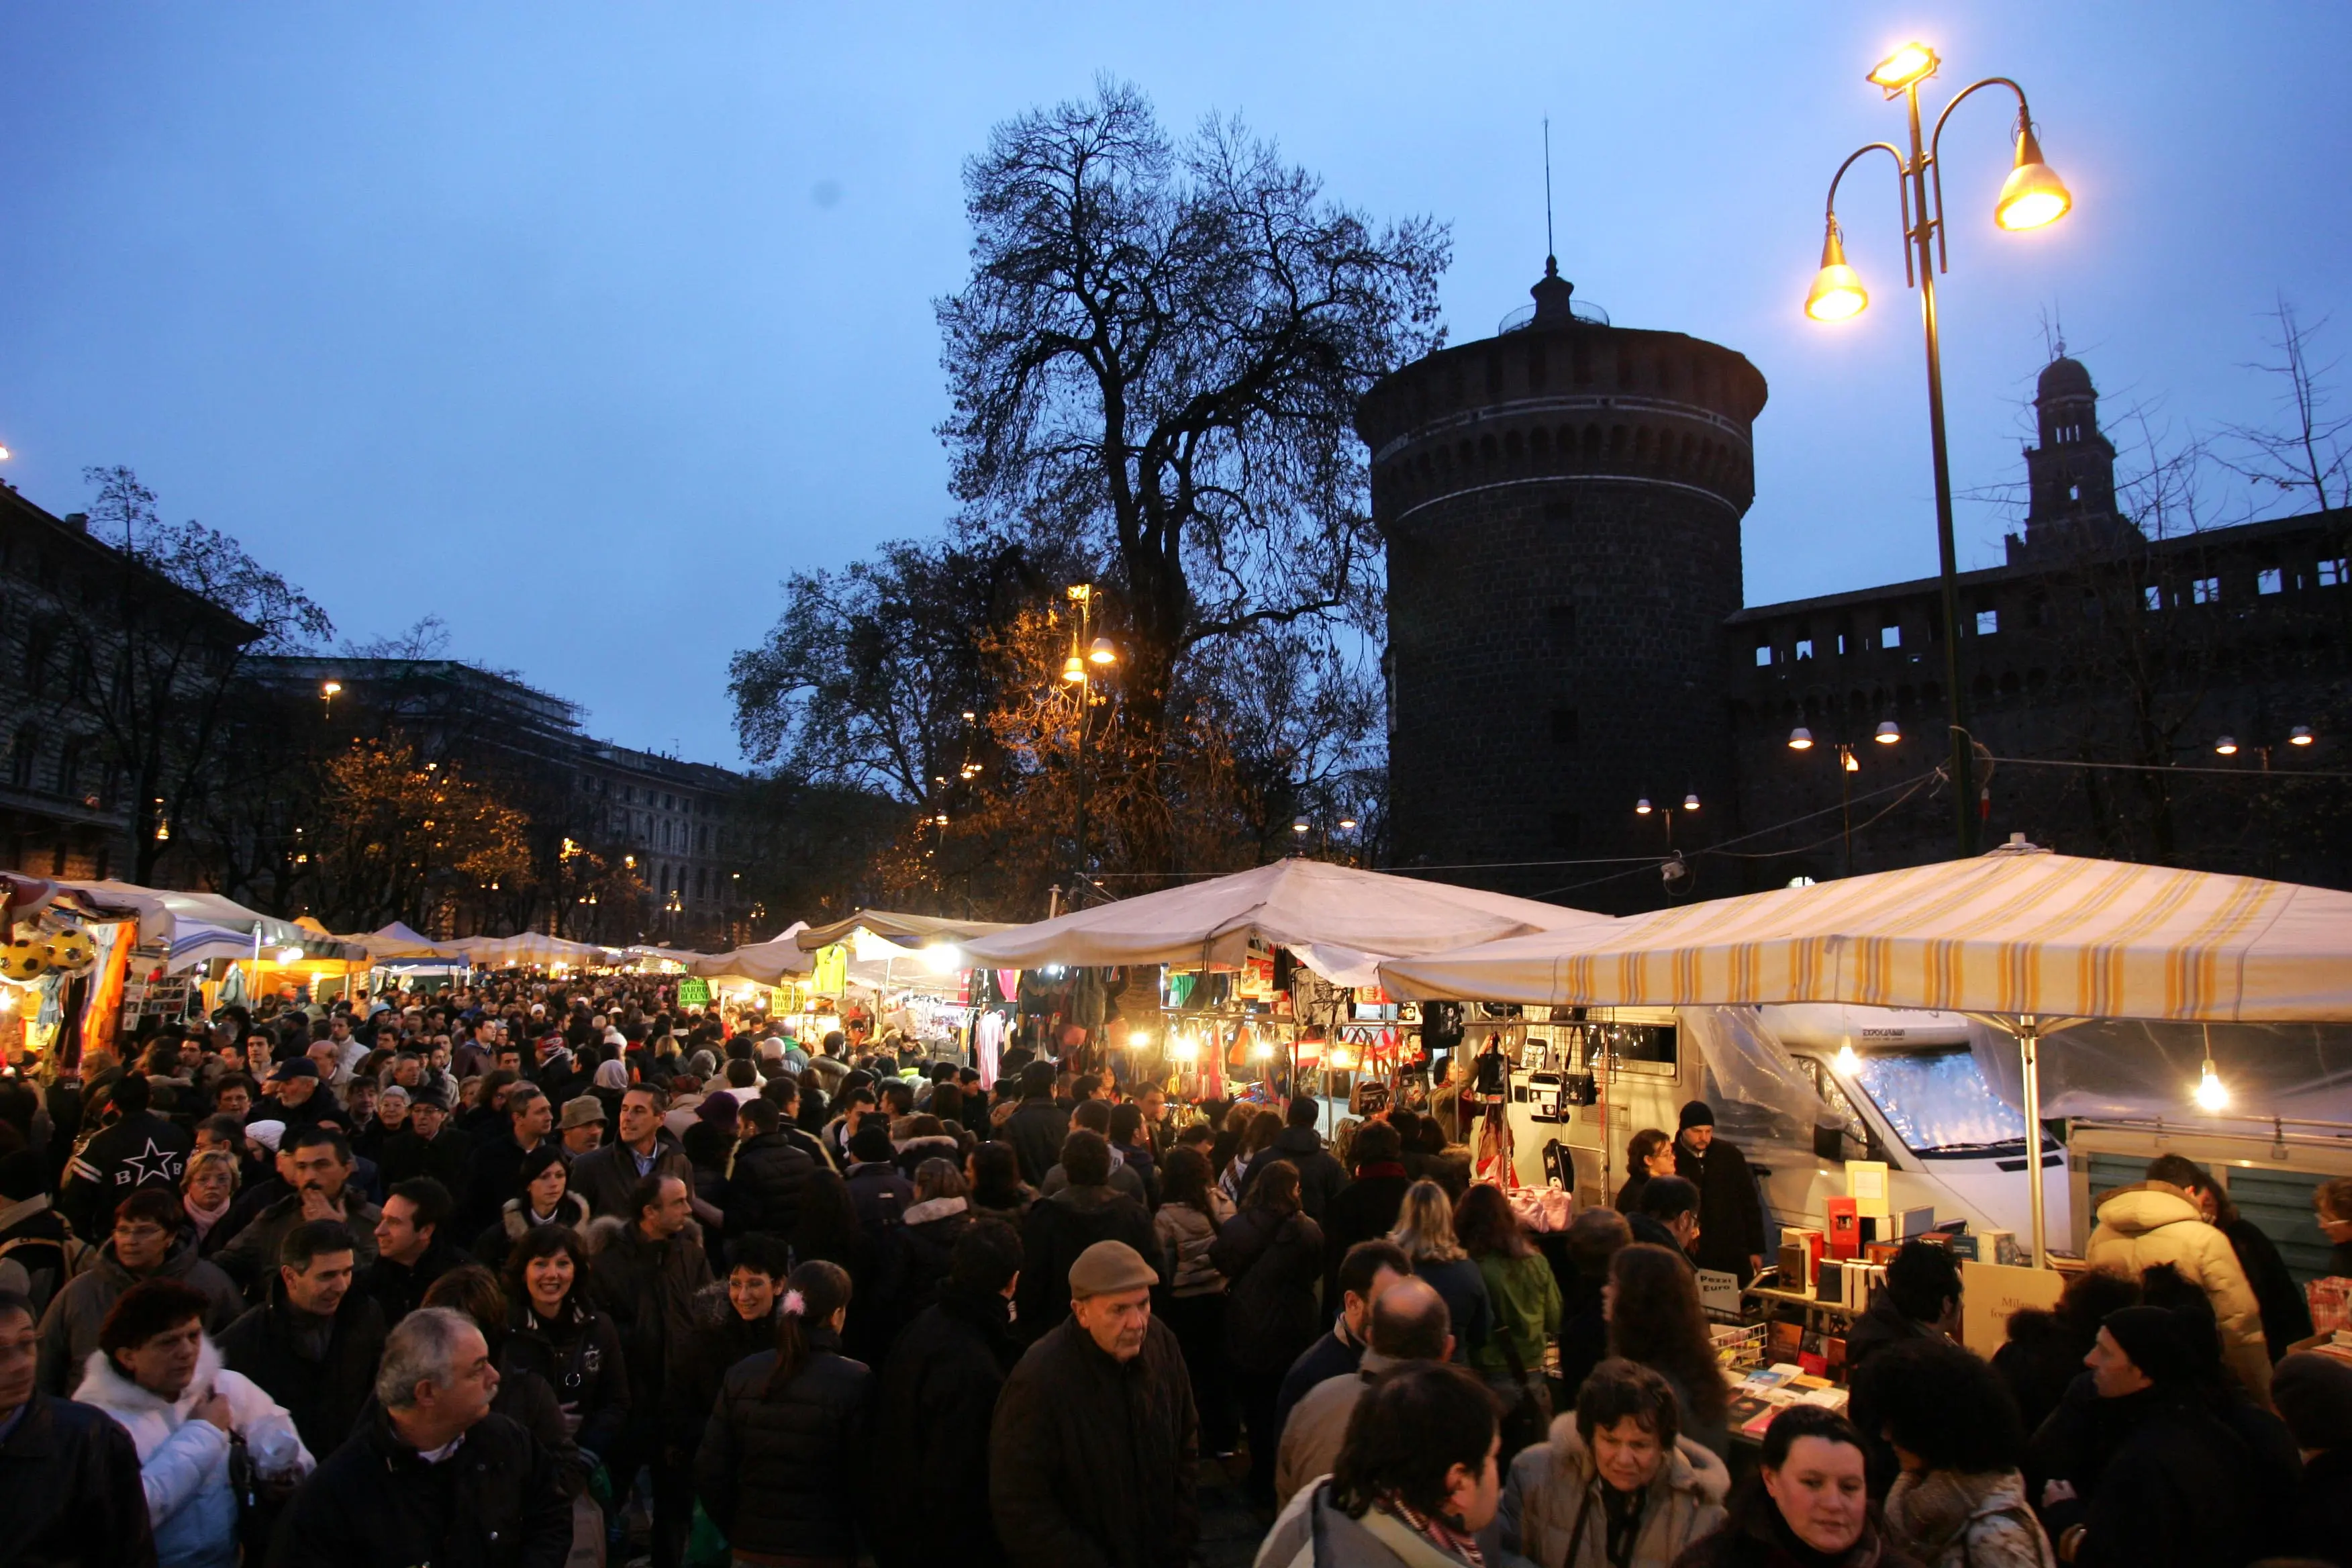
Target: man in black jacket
{"type": "Point", "coordinates": [1036, 1129]}
{"type": "Point", "coordinates": [432, 1476]}
{"type": "Point", "coordinates": [644, 1147]}
{"type": "Point", "coordinates": [771, 1173]}
{"type": "Point", "coordinates": [646, 1276]}
{"type": "Point", "coordinates": [1321, 1178]}
{"type": "Point", "coordinates": [410, 1251]}
{"type": "Point", "coordinates": [1730, 1216]}
{"type": "Point", "coordinates": [313, 1347]}
{"type": "Point", "coordinates": [69, 1487]}
{"type": "Point", "coordinates": [1095, 1440]}
{"type": "Point", "coordinates": [430, 1145]}
{"type": "Point", "coordinates": [1058, 1229]}
{"type": "Point", "coordinates": [137, 1149]}
{"type": "Point", "coordinates": [496, 1172]}
{"type": "Point", "coordinates": [939, 1397]}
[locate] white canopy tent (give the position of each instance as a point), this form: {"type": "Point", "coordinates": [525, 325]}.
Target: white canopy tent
{"type": "Point", "coordinates": [400, 940]}
{"type": "Point", "coordinates": [906, 930]}
{"type": "Point", "coordinates": [195, 927]}
{"type": "Point", "coordinates": [529, 950]}
{"type": "Point", "coordinates": [1338, 921]}
{"type": "Point", "coordinates": [2028, 942]}
{"type": "Point", "coordinates": [762, 964]}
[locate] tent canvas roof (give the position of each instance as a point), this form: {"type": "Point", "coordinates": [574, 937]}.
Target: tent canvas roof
{"type": "Point", "coordinates": [1340, 921]}
{"type": "Point", "coordinates": [762, 964]}
{"type": "Point", "coordinates": [2016, 933]}
{"type": "Point", "coordinates": [911, 930]}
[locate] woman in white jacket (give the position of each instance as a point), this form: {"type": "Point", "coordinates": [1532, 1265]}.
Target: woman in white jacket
{"type": "Point", "coordinates": [2155, 1222]}
{"type": "Point", "coordinates": [159, 1377]}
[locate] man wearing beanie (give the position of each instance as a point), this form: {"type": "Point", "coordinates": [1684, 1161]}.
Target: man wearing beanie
{"type": "Point", "coordinates": [2135, 1468]}
{"type": "Point", "coordinates": [2314, 1394]}
{"type": "Point", "coordinates": [1095, 1439]}
{"type": "Point", "coordinates": [1730, 1216]}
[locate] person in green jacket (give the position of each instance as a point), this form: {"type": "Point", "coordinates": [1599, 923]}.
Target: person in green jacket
{"type": "Point", "coordinates": [1519, 1283]}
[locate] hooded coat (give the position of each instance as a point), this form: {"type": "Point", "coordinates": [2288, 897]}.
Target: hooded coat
{"type": "Point", "coordinates": [2141, 1227]}
{"type": "Point", "coordinates": [70, 1328]}
{"type": "Point", "coordinates": [184, 1463]}
{"type": "Point", "coordinates": [1274, 1257]}
{"type": "Point", "coordinates": [772, 1173]}
{"type": "Point", "coordinates": [1552, 1511]}
{"type": "Point", "coordinates": [1947, 1519]}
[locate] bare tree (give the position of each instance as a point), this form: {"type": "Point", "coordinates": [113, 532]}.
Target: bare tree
{"type": "Point", "coordinates": [1160, 352]}
{"type": "Point", "coordinates": [2305, 453]}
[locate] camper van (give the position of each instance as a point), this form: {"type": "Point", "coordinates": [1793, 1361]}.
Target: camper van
{"type": "Point", "coordinates": [1801, 1091]}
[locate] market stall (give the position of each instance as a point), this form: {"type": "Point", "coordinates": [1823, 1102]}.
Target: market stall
{"type": "Point", "coordinates": [1229, 945]}
{"type": "Point", "coordinates": [883, 969]}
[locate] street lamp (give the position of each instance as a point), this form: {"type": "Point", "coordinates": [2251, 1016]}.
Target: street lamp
{"type": "Point", "coordinates": [1101, 654]}
{"type": "Point", "coordinates": [2229, 746]}
{"type": "Point", "coordinates": [2032, 198]}
{"type": "Point", "coordinates": [1849, 764]}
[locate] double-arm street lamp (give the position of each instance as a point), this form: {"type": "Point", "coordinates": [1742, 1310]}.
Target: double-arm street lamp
{"type": "Point", "coordinates": [1091, 658]}
{"type": "Point", "coordinates": [2032, 198]}
{"type": "Point", "coordinates": [1888, 733]}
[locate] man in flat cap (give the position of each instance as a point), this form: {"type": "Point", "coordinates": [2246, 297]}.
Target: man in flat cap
{"type": "Point", "coordinates": [1094, 1438]}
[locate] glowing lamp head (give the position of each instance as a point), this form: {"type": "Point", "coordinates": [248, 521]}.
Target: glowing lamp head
{"type": "Point", "coordinates": [1690, 803]}
{"type": "Point", "coordinates": [1348, 824]}
{"type": "Point", "coordinates": [2300, 735]}
{"type": "Point", "coordinates": [330, 688]}
{"type": "Point", "coordinates": [289, 955]}
{"type": "Point", "coordinates": [2032, 197]}
{"type": "Point", "coordinates": [1301, 826]}
{"type": "Point", "coordinates": [1837, 293]}
{"type": "Point", "coordinates": [1848, 760]}
{"type": "Point", "coordinates": [1263, 1051]}
{"type": "Point", "coordinates": [1889, 731]}
{"type": "Point", "coordinates": [943, 958]}
{"type": "Point", "coordinates": [1073, 668]}
{"type": "Point", "coordinates": [1343, 1059]}
{"type": "Point", "coordinates": [1102, 652]}
{"type": "Point", "coordinates": [1847, 1062]}
{"type": "Point", "coordinates": [2227, 746]}
{"type": "Point", "coordinates": [1912, 63]}
{"type": "Point", "coordinates": [2211, 1094]}
{"type": "Point", "coordinates": [5, 454]}
{"type": "Point", "coordinates": [1801, 739]}
{"type": "Point", "coordinates": [1642, 807]}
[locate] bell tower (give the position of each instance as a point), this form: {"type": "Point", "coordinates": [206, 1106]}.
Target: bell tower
{"type": "Point", "coordinates": [2070, 475]}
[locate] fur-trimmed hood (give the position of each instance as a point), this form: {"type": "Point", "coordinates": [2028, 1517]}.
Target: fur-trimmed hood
{"type": "Point", "coordinates": [935, 1208]}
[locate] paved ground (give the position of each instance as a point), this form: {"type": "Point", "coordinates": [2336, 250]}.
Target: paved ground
{"type": "Point", "coordinates": [1230, 1528]}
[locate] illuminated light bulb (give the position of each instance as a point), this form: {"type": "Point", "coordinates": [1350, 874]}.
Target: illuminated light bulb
{"type": "Point", "coordinates": [1847, 1062]}
{"type": "Point", "coordinates": [1837, 294]}
{"type": "Point", "coordinates": [942, 959]}
{"type": "Point", "coordinates": [1801, 739]}
{"type": "Point", "coordinates": [2212, 1095]}
{"type": "Point", "coordinates": [1263, 1051]}
{"type": "Point", "coordinates": [1642, 807]}
{"type": "Point", "coordinates": [289, 955]}
{"type": "Point", "coordinates": [1907, 64]}
{"type": "Point", "coordinates": [1073, 668]}
{"type": "Point", "coordinates": [2300, 735]}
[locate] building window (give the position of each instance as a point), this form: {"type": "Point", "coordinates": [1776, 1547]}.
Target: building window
{"type": "Point", "coordinates": [2155, 596]}
{"type": "Point", "coordinates": [2269, 580]}
{"type": "Point", "coordinates": [22, 756]}
{"type": "Point", "coordinates": [1890, 636]}
{"type": "Point", "coordinates": [69, 768]}
{"type": "Point", "coordinates": [1763, 654]}
{"type": "Point", "coordinates": [1804, 648]}
{"type": "Point", "coordinates": [1563, 726]}
{"type": "Point", "coordinates": [2335, 574]}
{"type": "Point", "coordinates": [2206, 590]}
{"type": "Point", "coordinates": [1567, 830]}
{"type": "Point", "coordinates": [702, 841]}
{"type": "Point", "coordinates": [1988, 623]}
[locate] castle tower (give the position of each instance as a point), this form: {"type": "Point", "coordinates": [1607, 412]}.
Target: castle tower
{"type": "Point", "coordinates": [2071, 477]}
{"type": "Point", "coordinates": [1562, 507]}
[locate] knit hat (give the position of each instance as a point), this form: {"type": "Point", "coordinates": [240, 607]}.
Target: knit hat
{"type": "Point", "coordinates": [581, 1111]}
{"type": "Point", "coordinates": [300, 1067]}
{"type": "Point", "coordinates": [1697, 1113]}
{"type": "Point", "coordinates": [2154, 1339]}
{"type": "Point", "coordinates": [2314, 1395]}
{"type": "Point", "coordinates": [1107, 1268]}
{"type": "Point", "coordinates": [721, 1110]}
{"type": "Point", "coordinates": [267, 1133]}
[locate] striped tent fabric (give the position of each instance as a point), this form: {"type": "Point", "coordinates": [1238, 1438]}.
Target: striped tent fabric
{"type": "Point", "coordinates": [2016, 933]}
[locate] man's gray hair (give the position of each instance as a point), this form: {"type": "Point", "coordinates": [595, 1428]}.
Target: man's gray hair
{"type": "Point", "coordinates": [423, 1348]}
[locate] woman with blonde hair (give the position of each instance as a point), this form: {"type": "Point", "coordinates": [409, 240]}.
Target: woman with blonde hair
{"type": "Point", "coordinates": [207, 1187]}
{"type": "Point", "coordinates": [1425, 1229]}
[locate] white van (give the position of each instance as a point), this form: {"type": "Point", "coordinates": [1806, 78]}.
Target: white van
{"type": "Point", "coordinates": [1909, 1095]}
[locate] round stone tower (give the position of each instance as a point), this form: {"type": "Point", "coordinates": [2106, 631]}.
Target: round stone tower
{"type": "Point", "coordinates": [1561, 506]}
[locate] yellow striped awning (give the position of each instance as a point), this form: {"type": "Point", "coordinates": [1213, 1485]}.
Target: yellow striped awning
{"type": "Point", "coordinates": [2016, 933]}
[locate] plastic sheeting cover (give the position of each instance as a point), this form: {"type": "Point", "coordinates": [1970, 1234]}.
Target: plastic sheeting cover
{"type": "Point", "coordinates": [1757, 1094]}
{"type": "Point", "coordinates": [1939, 1100]}
{"type": "Point", "coordinates": [2118, 1068]}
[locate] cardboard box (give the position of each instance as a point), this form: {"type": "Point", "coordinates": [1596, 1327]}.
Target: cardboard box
{"type": "Point", "coordinates": [1990, 1292]}
{"type": "Point", "coordinates": [1963, 1248]}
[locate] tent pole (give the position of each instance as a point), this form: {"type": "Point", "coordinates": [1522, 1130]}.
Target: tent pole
{"type": "Point", "coordinates": [2029, 1050]}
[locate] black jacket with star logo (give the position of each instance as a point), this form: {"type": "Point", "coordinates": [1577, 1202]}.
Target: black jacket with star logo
{"type": "Point", "coordinates": [142, 1150]}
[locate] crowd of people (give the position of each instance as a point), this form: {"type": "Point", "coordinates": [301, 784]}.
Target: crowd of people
{"type": "Point", "coordinates": [548, 1275]}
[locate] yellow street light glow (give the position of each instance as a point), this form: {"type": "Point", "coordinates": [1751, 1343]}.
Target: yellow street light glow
{"type": "Point", "coordinates": [1642, 806]}
{"type": "Point", "coordinates": [1073, 668]}
{"type": "Point", "coordinates": [2227, 746]}
{"type": "Point", "coordinates": [2300, 735]}
{"type": "Point", "coordinates": [5, 454]}
{"type": "Point", "coordinates": [1690, 803]}
{"type": "Point", "coordinates": [2032, 197]}
{"type": "Point", "coordinates": [1348, 824]}
{"type": "Point", "coordinates": [329, 689]}
{"type": "Point", "coordinates": [1801, 739]}
{"type": "Point", "coordinates": [1848, 760]}
{"type": "Point", "coordinates": [1837, 294]}
{"type": "Point", "coordinates": [1102, 652]}
{"type": "Point", "coordinates": [1912, 62]}
{"type": "Point", "coordinates": [1889, 731]}
{"type": "Point", "coordinates": [1301, 826]}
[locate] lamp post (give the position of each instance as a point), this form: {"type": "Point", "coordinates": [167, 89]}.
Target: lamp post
{"type": "Point", "coordinates": [2229, 745]}
{"type": "Point", "coordinates": [1849, 764]}
{"type": "Point", "coordinates": [1673, 871]}
{"type": "Point", "coordinates": [2032, 198]}
{"type": "Point", "coordinates": [1088, 654]}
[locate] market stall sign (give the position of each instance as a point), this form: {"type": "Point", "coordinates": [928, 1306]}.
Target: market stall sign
{"type": "Point", "coordinates": [694, 992]}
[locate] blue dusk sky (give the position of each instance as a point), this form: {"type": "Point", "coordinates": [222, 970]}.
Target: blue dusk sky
{"type": "Point", "coordinates": [581, 325]}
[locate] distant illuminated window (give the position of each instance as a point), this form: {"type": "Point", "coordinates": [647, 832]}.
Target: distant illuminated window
{"type": "Point", "coordinates": [1890, 636]}
{"type": "Point", "coordinates": [1988, 622]}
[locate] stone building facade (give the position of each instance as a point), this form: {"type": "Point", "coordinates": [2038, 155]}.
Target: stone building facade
{"type": "Point", "coordinates": [1568, 647]}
